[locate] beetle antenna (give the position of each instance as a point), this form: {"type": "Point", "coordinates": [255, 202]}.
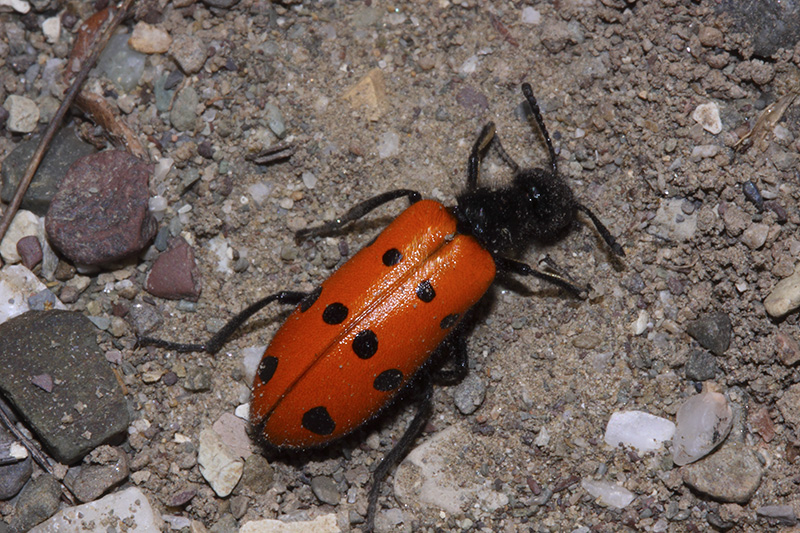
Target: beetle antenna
{"type": "Point", "coordinates": [528, 92]}
{"type": "Point", "coordinates": [610, 240]}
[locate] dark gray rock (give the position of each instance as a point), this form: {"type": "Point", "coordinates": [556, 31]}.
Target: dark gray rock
{"type": "Point", "coordinates": [37, 502]}
{"type": "Point", "coordinates": [771, 24]}
{"type": "Point", "coordinates": [712, 331]}
{"type": "Point", "coordinates": [67, 148]}
{"type": "Point", "coordinates": [86, 407]}
{"type": "Point", "coordinates": [701, 366]}
{"type": "Point", "coordinates": [13, 476]}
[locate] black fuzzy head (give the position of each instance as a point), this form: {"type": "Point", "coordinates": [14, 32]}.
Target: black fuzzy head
{"type": "Point", "coordinates": [536, 207]}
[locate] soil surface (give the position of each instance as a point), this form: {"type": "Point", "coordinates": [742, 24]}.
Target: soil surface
{"type": "Point", "coordinates": [618, 85]}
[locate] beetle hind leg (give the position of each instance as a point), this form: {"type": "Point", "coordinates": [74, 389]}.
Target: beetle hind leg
{"type": "Point", "coordinates": [216, 342]}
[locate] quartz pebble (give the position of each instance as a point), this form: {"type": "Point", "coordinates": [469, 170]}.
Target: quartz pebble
{"type": "Point", "coordinates": [638, 429]}
{"type": "Point", "coordinates": [704, 421]}
{"type": "Point", "coordinates": [607, 493]}
{"type": "Point", "coordinates": [23, 114]}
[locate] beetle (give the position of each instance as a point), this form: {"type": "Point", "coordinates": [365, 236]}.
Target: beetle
{"type": "Point", "coordinates": [351, 345]}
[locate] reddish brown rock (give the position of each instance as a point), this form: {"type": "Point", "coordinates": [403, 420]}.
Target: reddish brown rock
{"type": "Point", "coordinates": [174, 274]}
{"type": "Point", "coordinates": [30, 251]}
{"type": "Point", "coordinates": [99, 214]}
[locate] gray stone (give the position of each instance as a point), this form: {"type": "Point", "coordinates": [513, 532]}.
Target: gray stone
{"type": "Point", "coordinates": [701, 366]}
{"type": "Point", "coordinates": [37, 502]}
{"type": "Point", "coordinates": [325, 489]}
{"type": "Point", "coordinates": [184, 110]}
{"type": "Point", "coordinates": [86, 407]}
{"type": "Point", "coordinates": [712, 331]}
{"type": "Point", "coordinates": [732, 474]}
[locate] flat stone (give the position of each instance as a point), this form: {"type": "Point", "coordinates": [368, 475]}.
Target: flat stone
{"type": "Point", "coordinates": [322, 524]}
{"type": "Point", "coordinates": [105, 468]}
{"type": "Point", "coordinates": [100, 214]}
{"type": "Point", "coordinates": [86, 407]}
{"type": "Point", "coordinates": [369, 93]}
{"type": "Point", "coordinates": [732, 474]}
{"type": "Point", "coordinates": [65, 149]}
{"type": "Point", "coordinates": [219, 465]}
{"type": "Point", "coordinates": [175, 275]}
{"type": "Point", "coordinates": [325, 489]}
{"type": "Point", "coordinates": [183, 115]}
{"type": "Point", "coordinates": [189, 53]}
{"type": "Point", "coordinates": [429, 477]}
{"type": "Point", "coordinates": [127, 510]}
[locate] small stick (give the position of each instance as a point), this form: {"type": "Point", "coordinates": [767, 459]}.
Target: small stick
{"type": "Point", "coordinates": [55, 122]}
{"type": "Point", "coordinates": [39, 456]}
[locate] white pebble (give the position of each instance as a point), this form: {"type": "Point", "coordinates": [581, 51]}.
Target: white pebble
{"type": "Point", "coordinates": [24, 224]}
{"type": "Point", "coordinates": [23, 114]}
{"type": "Point", "coordinates": [52, 29]}
{"type": "Point", "coordinates": [607, 493]}
{"type": "Point", "coordinates": [388, 145]}
{"type": "Point", "coordinates": [704, 421]}
{"type": "Point", "coordinates": [469, 66]}
{"type": "Point", "coordinates": [707, 115]}
{"type": "Point", "coordinates": [638, 429]}
{"type": "Point", "coordinates": [704, 151]}
{"type": "Point", "coordinates": [309, 180]}
{"type": "Point", "coordinates": [640, 326]}
{"type": "Point", "coordinates": [531, 16]}
{"type": "Point", "coordinates": [260, 191]}
{"type": "Point", "coordinates": [219, 465]}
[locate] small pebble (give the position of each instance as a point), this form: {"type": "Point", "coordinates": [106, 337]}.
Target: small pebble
{"type": "Point", "coordinates": [189, 53]}
{"type": "Point", "coordinates": [325, 490]}
{"type": "Point", "coordinates": [755, 236]}
{"type": "Point", "coordinates": [469, 394]}
{"type": "Point", "coordinates": [712, 331]}
{"type": "Point", "coordinates": [707, 115]}
{"type": "Point", "coordinates": [785, 296]}
{"type": "Point", "coordinates": [149, 39]}
{"type": "Point", "coordinates": [23, 114]}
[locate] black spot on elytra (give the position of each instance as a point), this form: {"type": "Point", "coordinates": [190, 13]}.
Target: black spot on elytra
{"type": "Point", "coordinates": [392, 257]}
{"type": "Point", "coordinates": [318, 420]}
{"type": "Point", "coordinates": [335, 313]}
{"type": "Point", "coordinates": [425, 291]}
{"type": "Point", "coordinates": [388, 380]}
{"type": "Point", "coordinates": [365, 344]}
{"type": "Point", "coordinates": [449, 321]}
{"type": "Point", "coordinates": [308, 301]}
{"type": "Point", "coordinates": [266, 368]}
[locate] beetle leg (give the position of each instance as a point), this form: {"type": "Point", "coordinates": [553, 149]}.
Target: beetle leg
{"type": "Point", "coordinates": [485, 138]}
{"type": "Point", "coordinates": [516, 267]}
{"type": "Point", "coordinates": [456, 347]}
{"type": "Point", "coordinates": [424, 410]}
{"type": "Point", "coordinates": [359, 211]}
{"type": "Point", "coordinates": [221, 337]}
